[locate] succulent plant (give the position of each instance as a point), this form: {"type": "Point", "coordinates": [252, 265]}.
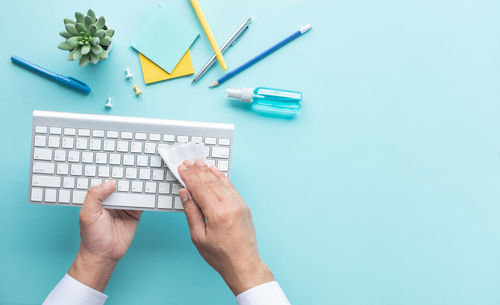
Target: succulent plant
{"type": "Point", "coordinates": [87, 38]}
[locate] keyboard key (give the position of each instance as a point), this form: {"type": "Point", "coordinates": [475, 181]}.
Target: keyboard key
{"type": "Point", "coordinates": [154, 137]}
{"type": "Point", "coordinates": [112, 134]}
{"type": "Point", "coordinates": [79, 197]}
{"type": "Point", "coordinates": [178, 204]}
{"type": "Point", "coordinates": [131, 173]}
{"type": "Point", "coordinates": [137, 186]}
{"type": "Point", "coordinates": [142, 160]}
{"type": "Point", "coordinates": [170, 176]}
{"type": "Point", "coordinates": [81, 143]}
{"type": "Point", "coordinates": [144, 174]}
{"type": "Point", "coordinates": [224, 141]}
{"type": "Point", "coordinates": [64, 196]}
{"type": "Point", "coordinates": [103, 171]}
{"type": "Point", "coordinates": [122, 146]}
{"type": "Point", "coordinates": [40, 129]}
{"type": "Point", "coordinates": [163, 146]}
{"type": "Point", "coordinates": [54, 141]}
{"type": "Point", "coordinates": [123, 186]}
{"type": "Point", "coordinates": [87, 157]}
{"type": "Point", "coordinates": [83, 132]}
{"type": "Point", "coordinates": [211, 141]}
{"type": "Point", "coordinates": [223, 165]}
{"type": "Point", "coordinates": [68, 182]}
{"type": "Point", "coordinates": [117, 172]}
{"type": "Point", "coordinates": [98, 133]}
{"type": "Point", "coordinates": [43, 167]}
{"type": "Point", "coordinates": [182, 139]}
{"type": "Point", "coordinates": [68, 142]}
{"type": "Point", "coordinates": [150, 187]}
{"type": "Point", "coordinates": [155, 161]}
{"type": "Point", "coordinates": [206, 150]}
{"type": "Point", "coordinates": [140, 136]}
{"type": "Point", "coordinates": [150, 148]}
{"type": "Point", "coordinates": [115, 159]}
{"type": "Point", "coordinates": [76, 169]}
{"type": "Point", "coordinates": [40, 141]}
{"type": "Point", "coordinates": [101, 158]}
{"type": "Point", "coordinates": [36, 194]}
{"type": "Point", "coordinates": [95, 181]}
{"type": "Point", "coordinates": [220, 152]}
{"type": "Point", "coordinates": [165, 202]}
{"type": "Point", "coordinates": [45, 181]}
{"type": "Point", "coordinates": [62, 169]}
{"type": "Point", "coordinates": [55, 130]}
{"type": "Point", "coordinates": [197, 139]}
{"type": "Point", "coordinates": [50, 195]}
{"type": "Point", "coordinates": [82, 183]}
{"type": "Point", "coordinates": [73, 156]}
{"type": "Point", "coordinates": [95, 144]}
{"type": "Point", "coordinates": [42, 154]}
{"type": "Point", "coordinates": [130, 200]}
{"type": "Point", "coordinates": [109, 145]}
{"type": "Point", "coordinates": [164, 188]}
{"type": "Point", "coordinates": [168, 138]}
{"type": "Point", "coordinates": [158, 174]}
{"type": "Point", "coordinates": [126, 135]}
{"type": "Point", "coordinates": [128, 160]}
{"type": "Point", "coordinates": [69, 131]}
{"type": "Point", "coordinates": [90, 170]}
{"type": "Point", "coordinates": [136, 147]}
{"type": "Point", "coordinates": [175, 188]}
{"type": "Point", "coordinates": [210, 162]}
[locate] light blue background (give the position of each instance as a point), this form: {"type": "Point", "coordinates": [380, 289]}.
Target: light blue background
{"type": "Point", "coordinates": [385, 190]}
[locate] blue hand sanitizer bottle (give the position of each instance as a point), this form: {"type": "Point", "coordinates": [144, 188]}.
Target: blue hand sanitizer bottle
{"type": "Point", "coordinates": [268, 100]}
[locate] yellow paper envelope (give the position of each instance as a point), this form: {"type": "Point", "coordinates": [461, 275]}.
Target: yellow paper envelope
{"type": "Point", "coordinates": [153, 73]}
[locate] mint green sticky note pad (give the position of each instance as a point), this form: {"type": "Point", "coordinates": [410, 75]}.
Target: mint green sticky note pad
{"type": "Point", "coordinates": [167, 34]}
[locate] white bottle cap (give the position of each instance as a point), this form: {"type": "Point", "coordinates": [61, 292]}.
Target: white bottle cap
{"type": "Point", "coordinates": [244, 94]}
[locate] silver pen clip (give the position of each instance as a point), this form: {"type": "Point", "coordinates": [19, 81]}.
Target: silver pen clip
{"type": "Point", "coordinates": [241, 33]}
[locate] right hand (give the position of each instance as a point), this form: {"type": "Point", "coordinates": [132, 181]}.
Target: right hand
{"type": "Point", "coordinates": [221, 227]}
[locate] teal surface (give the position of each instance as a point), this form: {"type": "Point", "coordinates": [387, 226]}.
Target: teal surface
{"type": "Point", "coordinates": [385, 190]}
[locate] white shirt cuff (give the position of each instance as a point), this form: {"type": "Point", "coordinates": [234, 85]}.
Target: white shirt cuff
{"type": "Point", "coordinates": [71, 292]}
{"type": "Point", "coordinates": [264, 294]}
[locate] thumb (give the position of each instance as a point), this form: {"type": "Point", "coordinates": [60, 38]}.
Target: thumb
{"type": "Point", "coordinates": [194, 216]}
{"type": "Point", "coordinates": [97, 194]}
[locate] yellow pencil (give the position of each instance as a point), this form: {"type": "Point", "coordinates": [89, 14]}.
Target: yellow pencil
{"type": "Point", "coordinates": [208, 32]}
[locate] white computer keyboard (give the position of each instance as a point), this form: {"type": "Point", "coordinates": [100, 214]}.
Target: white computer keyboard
{"type": "Point", "coordinates": [71, 152]}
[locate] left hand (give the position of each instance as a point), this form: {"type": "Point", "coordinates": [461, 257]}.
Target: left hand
{"type": "Point", "coordinates": [105, 238]}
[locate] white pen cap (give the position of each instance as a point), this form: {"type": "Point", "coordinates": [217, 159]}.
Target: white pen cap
{"type": "Point", "coordinates": [243, 94]}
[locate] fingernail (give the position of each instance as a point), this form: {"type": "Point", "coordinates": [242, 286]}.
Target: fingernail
{"type": "Point", "coordinates": [187, 162]}
{"type": "Point", "coordinates": [109, 183]}
{"type": "Point", "coordinates": [199, 162]}
{"type": "Point", "coordinates": [181, 168]}
{"type": "Point", "coordinates": [184, 195]}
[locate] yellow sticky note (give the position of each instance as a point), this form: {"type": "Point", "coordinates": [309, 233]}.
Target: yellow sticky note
{"type": "Point", "coordinates": [153, 73]}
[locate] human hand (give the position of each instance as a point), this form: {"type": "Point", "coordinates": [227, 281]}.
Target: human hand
{"type": "Point", "coordinates": [105, 238]}
{"type": "Point", "coordinates": [226, 240]}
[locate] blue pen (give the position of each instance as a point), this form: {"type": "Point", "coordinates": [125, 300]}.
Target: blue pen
{"type": "Point", "coordinates": [61, 79]}
{"type": "Point", "coordinates": [262, 55]}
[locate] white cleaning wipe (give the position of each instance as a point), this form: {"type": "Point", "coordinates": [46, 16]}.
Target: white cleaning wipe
{"type": "Point", "coordinates": [176, 154]}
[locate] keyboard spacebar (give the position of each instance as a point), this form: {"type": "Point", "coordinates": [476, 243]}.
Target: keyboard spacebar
{"type": "Point", "coordinates": [130, 200]}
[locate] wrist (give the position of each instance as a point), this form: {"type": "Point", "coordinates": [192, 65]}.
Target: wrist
{"type": "Point", "coordinates": [248, 276]}
{"type": "Point", "coordinates": [92, 270]}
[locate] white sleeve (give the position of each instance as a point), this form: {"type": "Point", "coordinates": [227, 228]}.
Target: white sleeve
{"type": "Point", "coordinates": [71, 292]}
{"type": "Point", "coordinates": [265, 294]}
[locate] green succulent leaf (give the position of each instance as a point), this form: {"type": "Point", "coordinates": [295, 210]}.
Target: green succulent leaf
{"type": "Point", "coordinates": [103, 55]}
{"type": "Point", "coordinates": [110, 32]}
{"type": "Point", "coordinates": [79, 17]}
{"type": "Point", "coordinates": [73, 41]}
{"type": "Point", "coordinates": [101, 34]}
{"type": "Point", "coordinates": [97, 49]}
{"type": "Point", "coordinates": [94, 58]}
{"type": "Point", "coordinates": [77, 53]}
{"type": "Point", "coordinates": [95, 41]}
{"type": "Point", "coordinates": [106, 41]}
{"type": "Point", "coordinates": [91, 14]}
{"type": "Point", "coordinates": [68, 21]}
{"type": "Point", "coordinates": [92, 29]}
{"type": "Point", "coordinates": [71, 29]}
{"type": "Point", "coordinates": [88, 21]}
{"type": "Point", "coordinates": [70, 54]}
{"type": "Point", "coordinates": [100, 23]}
{"type": "Point", "coordinates": [85, 49]}
{"type": "Point", "coordinates": [65, 34]}
{"type": "Point", "coordinates": [80, 27]}
{"type": "Point", "coordinates": [65, 46]}
{"type": "Point", "coordinates": [84, 60]}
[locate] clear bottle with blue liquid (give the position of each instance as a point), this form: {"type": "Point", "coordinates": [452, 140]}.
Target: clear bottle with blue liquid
{"type": "Point", "coordinates": [267, 100]}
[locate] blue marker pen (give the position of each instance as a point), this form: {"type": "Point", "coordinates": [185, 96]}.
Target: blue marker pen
{"type": "Point", "coordinates": [268, 100]}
